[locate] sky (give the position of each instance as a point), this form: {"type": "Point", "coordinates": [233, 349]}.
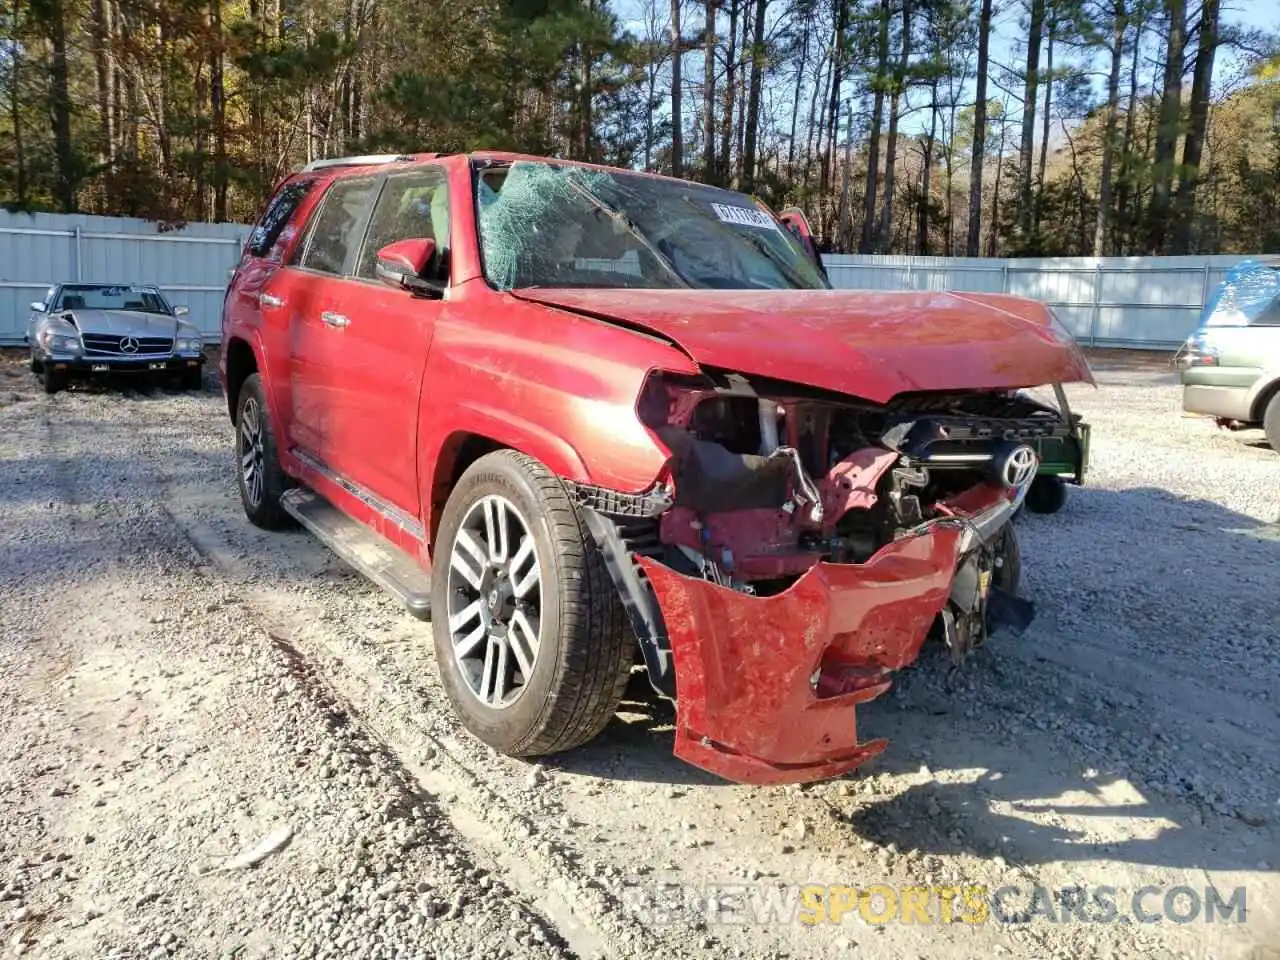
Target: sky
{"type": "Point", "coordinates": [1008, 43]}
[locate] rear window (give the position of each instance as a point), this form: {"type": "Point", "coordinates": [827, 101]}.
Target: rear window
{"type": "Point", "coordinates": [1248, 297]}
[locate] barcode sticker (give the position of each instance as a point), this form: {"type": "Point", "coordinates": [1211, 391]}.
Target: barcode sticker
{"type": "Point", "coordinates": [744, 216]}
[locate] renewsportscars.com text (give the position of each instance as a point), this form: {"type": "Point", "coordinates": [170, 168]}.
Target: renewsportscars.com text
{"type": "Point", "coordinates": [813, 904]}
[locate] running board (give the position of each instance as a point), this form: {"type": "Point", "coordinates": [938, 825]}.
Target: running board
{"type": "Point", "coordinates": [376, 557]}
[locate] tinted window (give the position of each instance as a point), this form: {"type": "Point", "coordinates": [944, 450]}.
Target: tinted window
{"type": "Point", "coordinates": [267, 232]}
{"type": "Point", "coordinates": [335, 229]}
{"type": "Point", "coordinates": [411, 206]}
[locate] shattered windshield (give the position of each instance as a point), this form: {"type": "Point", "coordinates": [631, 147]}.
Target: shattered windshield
{"type": "Point", "coordinates": [543, 225]}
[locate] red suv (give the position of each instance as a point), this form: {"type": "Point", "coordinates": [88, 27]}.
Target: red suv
{"type": "Point", "coordinates": [587, 419]}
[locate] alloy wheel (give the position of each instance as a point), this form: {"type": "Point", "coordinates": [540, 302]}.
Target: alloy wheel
{"type": "Point", "coordinates": [495, 601]}
{"type": "Point", "coordinates": [251, 454]}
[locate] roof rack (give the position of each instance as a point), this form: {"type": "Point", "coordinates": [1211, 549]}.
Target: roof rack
{"type": "Point", "coordinates": [359, 161]}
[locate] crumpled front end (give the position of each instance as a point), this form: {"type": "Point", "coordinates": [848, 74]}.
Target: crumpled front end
{"type": "Point", "coordinates": [767, 685]}
{"type": "Point", "coordinates": [804, 546]}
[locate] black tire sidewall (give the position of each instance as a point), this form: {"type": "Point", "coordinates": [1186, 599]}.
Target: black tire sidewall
{"type": "Point", "coordinates": [268, 513]}
{"type": "Point", "coordinates": [1047, 495]}
{"type": "Point", "coordinates": [1271, 421]}
{"type": "Point", "coordinates": [510, 729]}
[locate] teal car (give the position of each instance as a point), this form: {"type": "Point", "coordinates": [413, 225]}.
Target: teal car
{"type": "Point", "coordinates": [1230, 366]}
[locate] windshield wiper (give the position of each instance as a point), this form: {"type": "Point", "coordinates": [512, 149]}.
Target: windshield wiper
{"type": "Point", "coordinates": [620, 217]}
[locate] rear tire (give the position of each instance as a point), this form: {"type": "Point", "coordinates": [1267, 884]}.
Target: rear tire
{"type": "Point", "coordinates": [261, 479]}
{"type": "Point", "coordinates": [573, 622]}
{"type": "Point", "coordinates": [1047, 495]}
{"type": "Point", "coordinates": [1271, 422]}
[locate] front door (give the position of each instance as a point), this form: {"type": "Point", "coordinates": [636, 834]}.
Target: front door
{"type": "Point", "coordinates": [371, 437]}
{"type": "Point", "coordinates": [310, 292]}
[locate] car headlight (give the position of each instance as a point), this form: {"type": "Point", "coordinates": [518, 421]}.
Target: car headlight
{"type": "Point", "coordinates": [56, 342]}
{"type": "Point", "coordinates": [189, 345]}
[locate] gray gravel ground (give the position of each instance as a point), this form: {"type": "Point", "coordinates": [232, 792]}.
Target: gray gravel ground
{"type": "Point", "coordinates": [177, 686]}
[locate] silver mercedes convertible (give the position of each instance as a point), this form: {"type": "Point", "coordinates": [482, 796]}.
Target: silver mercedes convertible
{"type": "Point", "coordinates": [85, 329]}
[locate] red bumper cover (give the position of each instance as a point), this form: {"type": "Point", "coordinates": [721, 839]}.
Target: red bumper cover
{"type": "Point", "coordinates": [766, 686]}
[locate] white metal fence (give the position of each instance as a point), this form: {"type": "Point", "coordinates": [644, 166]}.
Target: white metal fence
{"type": "Point", "coordinates": [1144, 302]}
{"type": "Point", "coordinates": [189, 264]}
{"type": "Point", "coordinates": [1151, 302]}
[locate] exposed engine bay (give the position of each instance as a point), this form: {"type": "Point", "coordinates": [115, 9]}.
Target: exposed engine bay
{"type": "Point", "coordinates": [769, 481]}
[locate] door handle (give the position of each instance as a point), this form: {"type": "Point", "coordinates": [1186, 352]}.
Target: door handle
{"type": "Point", "coordinates": [270, 300]}
{"type": "Point", "coordinates": [334, 319]}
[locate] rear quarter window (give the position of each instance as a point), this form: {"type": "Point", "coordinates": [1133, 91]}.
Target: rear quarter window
{"type": "Point", "coordinates": [263, 240]}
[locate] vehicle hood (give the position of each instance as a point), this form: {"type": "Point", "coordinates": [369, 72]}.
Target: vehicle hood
{"type": "Point", "coordinates": [869, 344]}
{"type": "Point", "coordinates": [123, 322]}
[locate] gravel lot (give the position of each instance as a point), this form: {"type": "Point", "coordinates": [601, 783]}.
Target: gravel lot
{"type": "Point", "coordinates": [181, 693]}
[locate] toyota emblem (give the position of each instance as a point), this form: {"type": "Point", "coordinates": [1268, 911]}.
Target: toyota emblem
{"type": "Point", "coordinates": [129, 344]}
{"type": "Point", "coordinates": [1019, 467]}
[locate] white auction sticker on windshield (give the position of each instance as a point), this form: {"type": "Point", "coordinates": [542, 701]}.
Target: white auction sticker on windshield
{"type": "Point", "coordinates": [744, 216]}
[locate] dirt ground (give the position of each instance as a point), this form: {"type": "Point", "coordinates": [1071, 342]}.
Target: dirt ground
{"type": "Point", "coordinates": [181, 693]}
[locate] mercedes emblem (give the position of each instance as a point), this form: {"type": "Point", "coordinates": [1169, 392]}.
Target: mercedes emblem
{"type": "Point", "coordinates": [129, 344]}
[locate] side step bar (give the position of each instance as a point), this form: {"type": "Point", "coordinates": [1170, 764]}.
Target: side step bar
{"type": "Point", "coordinates": [376, 557]}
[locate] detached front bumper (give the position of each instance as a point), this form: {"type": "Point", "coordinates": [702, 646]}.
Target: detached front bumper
{"type": "Point", "coordinates": [767, 686]}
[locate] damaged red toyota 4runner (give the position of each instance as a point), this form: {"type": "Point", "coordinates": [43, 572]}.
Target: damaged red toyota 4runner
{"type": "Point", "coordinates": [584, 419]}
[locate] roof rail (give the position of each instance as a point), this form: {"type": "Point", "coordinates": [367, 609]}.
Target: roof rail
{"type": "Point", "coordinates": [359, 161]}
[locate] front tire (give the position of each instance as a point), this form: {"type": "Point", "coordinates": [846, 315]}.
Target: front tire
{"type": "Point", "coordinates": [261, 479]}
{"type": "Point", "coordinates": [531, 639]}
{"type": "Point", "coordinates": [193, 379]}
{"type": "Point", "coordinates": [1271, 422]}
{"type": "Point", "coordinates": [36, 365]}
{"type": "Point", "coordinates": [53, 380]}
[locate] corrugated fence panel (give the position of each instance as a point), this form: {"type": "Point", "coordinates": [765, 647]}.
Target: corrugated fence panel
{"type": "Point", "coordinates": [1114, 301]}
{"type": "Point", "coordinates": [190, 264]}
{"type": "Point", "coordinates": [1109, 301]}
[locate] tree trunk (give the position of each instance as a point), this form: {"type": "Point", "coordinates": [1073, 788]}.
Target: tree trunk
{"type": "Point", "coordinates": [795, 101]}
{"type": "Point", "coordinates": [753, 100]}
{"type": "Point", "coordinates": [891, 143]}
{"type": "Point", "coordinates": [709, 92]}
{"type": "Point", "coordinates": [60, 109]}
{"type": "Point", "coordinates": [677, 121]}
{"type": "Point", "coordinates": [1045, 124]}
{"type": "Point", "coordinates": [841, 12]}
{"type": "Point", "coordinates": [15, 116]}
{"type": "Point", "coordinates": [217, 110]}
{"type": "Point", "coordinates": [101, 14]}
{"type": "Point", "coordinates": [867, 243]}
{"type": "Point", "coordinates": [727, 100]}
{"type": "Point", "coordinates": [1118, 24]}
{"type": "Point", "coordinates": [926, 175]}
{"type": "Point", "coordinates": [973, 242]}
{"type": "Point", "coordinates": [844, 231]}
{"type": "Point", "coordinates": [1126, 190]}
{"type": "Point", "coordinates": [993, 235]}
{"type": "Point", "coordinates": [1193, 145]}
{"type": "Point", "coordinates": [1029, 96]}
{"type": "Point", "coordinates": [1167, 130]}
{"type": "Point", "coordinates": [814, 127]}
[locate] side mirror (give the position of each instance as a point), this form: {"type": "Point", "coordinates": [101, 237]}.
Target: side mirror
{"type": "Point", "coordinates": [37, 306]}
{"type": "Point", "coordinates": [180, 311]}
{"type": "Point", "coordinates": [400, 264]}
{"type": "Point", "coordinates": [797, 225]}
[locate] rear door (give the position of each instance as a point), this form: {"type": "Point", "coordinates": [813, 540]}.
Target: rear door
{"type": "Point", "coordinates": [311, 293]}
{"type": "Point", "coordinates": [371, 436]}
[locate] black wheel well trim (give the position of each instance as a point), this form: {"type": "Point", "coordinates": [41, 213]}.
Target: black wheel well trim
{"type": "Point", "coordinates": [638, 599]}
{"type": "Point", "coordinates": [242, 363]}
